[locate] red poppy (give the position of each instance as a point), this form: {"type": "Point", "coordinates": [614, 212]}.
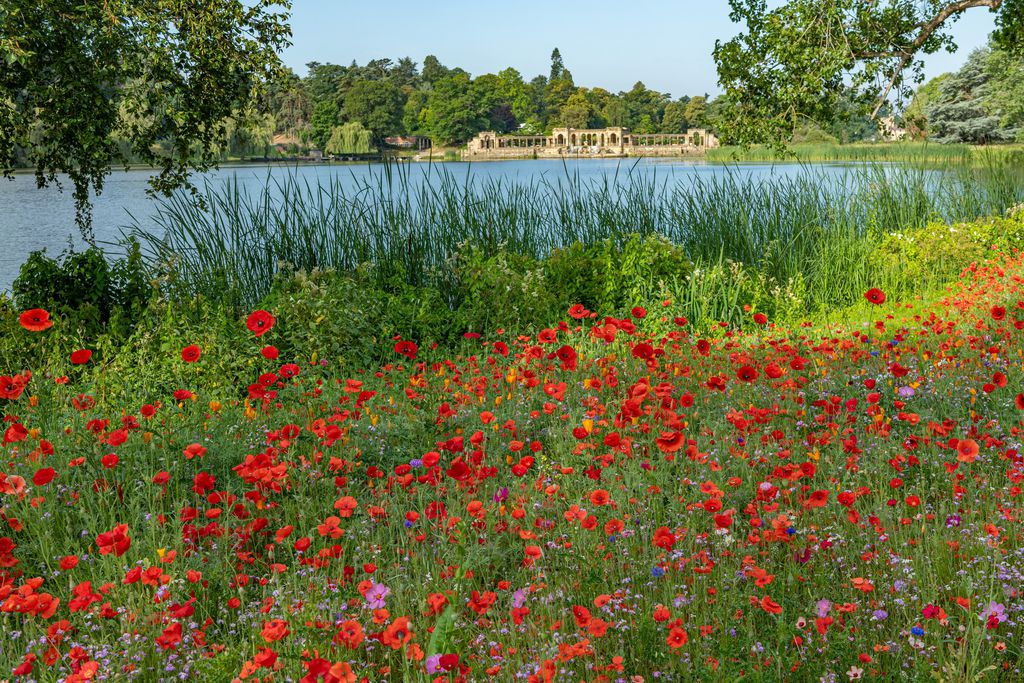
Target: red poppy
{"type": "Point", "coordinates": [547, 336]}
{"type": "Point", "coordinates": [397, 634]}
{"type": "Point", "coordinates": [170, 638]}
{"type": "Point", "coordinates": [275, 629]}
{"type": "Point", "coordinates": [770, 606]}
{"type": "Point", "coordinates": [35, 320]}
{"type": "Point", "coordinates": [998, 313]}
{"type": "Point", "coordinates": [664, 538]}
{"type": "Point", "coordinates": [1019, 401]}
{"type": "Point", "coordinates": [269, 352]}
{"type": "Point", "coordinates": [669, 442]}
{"type": "Point", "coordinates": [260, 322]}
{"type": "Point", "coordinates": [875, 296]}
{"type": "Point", "coordinates": [81, 356]}
{"type": "Point", "coordinates": [43, 476]}
{"type": "Point", "coordinates": [459, 470]}
{"type": "Point", "coordinates": [967, 450]}
{"type": "Point", "coordinates": [407, 348]}
{"type": "Point", "coordinates": [11, 387]}
{"type": "Point", "coordinates": [760, 318]}
{"type": "Point", "coordinates": [190, 354]}
{"type": "Point", "coordinates": [677, 637]}
{"type": "Point", "coordinates": [818, 499]}
{"type": "Point", "coordinates": [115, 541]}
{"type": "Point", "coordinates": [350, 634]}
{"type": "Point", "coordinates": [746, 374]}
{"type": "Point", "coordinates": [578, 311]}
{"type": "Point", "coordinates": [567, 355]}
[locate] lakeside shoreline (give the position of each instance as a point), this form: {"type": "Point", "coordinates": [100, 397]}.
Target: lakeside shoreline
{"type": "Point", "coordinates": [926, 153]}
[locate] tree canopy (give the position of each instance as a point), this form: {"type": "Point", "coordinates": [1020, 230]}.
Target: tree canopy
{"type": "Point", "coordinates": [89, 84]}
{"type": "Point", "coordinates": [982, 102]}
{"type": "Point", "coordinates": [798, 62]}
{"type": "Point", "coordinates": [450, 105]}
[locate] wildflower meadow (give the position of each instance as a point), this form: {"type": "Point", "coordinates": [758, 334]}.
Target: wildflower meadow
{"type": "Point", "coordinates": [608, 499]}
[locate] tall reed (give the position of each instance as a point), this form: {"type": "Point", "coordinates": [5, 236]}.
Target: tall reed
{"type": "Point", "coordinates": [408, 222]}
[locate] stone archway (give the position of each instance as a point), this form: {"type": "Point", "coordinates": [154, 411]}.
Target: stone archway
{"type": "Point", "coordinates": [611, 139]}
{"type": "Point", "coordinates": [560, 139]}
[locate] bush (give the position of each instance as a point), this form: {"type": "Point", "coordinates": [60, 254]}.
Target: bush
{"type": "Point", "coordinates": [85, 286]}
{"type": "Point", "coordinates": [503, 290]}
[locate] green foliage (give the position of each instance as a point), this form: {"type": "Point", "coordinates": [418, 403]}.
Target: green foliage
{"type": "Point", "coordinates": [505, 289]}
{"type": "Point", "coordinates": [377, 105]}
{"type": "Point", "coordinates": [936, 252]}
{"type": "Point", "coordinates": [610, 275]}
{"type": "Point", "coordinates": [1005, 71]}
{"type": "Point", "coordinates": [326, 116]}
{"type": "Point", "coordinates": [916, 113]}
{"type": "Point", "coordinates": [812, 134]}
{"type": "Point", "coordinates": [77, 78]}
{"type": "Point", "coordinates": [347, 318]}
{"type": "Point", "coordinates": [1009, 34]}
{"type": "Point", "coordinates": [351, 138]}
{"type": "Point", "coordinates": [85, 285]}
{"type": "Point", "coordinates": [454, 113]}
{"type": "Point", "coordinates": [797, 61]}
{"type": "Point", "coordinates": [409, 228]}
{"type": "Point", "coordinates": [412, 112]}
{"type": "Point", "coordinates": [674, 119]}
{"type": "Point", "coordinates": [696, 112]}
{"type": "Point", "coordinates": [577, 112]}
{"type": "Point", "coordinates": [965, 109]}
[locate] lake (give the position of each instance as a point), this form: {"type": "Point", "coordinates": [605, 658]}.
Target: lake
{"type": "Point", "coordinates": [33, 219]}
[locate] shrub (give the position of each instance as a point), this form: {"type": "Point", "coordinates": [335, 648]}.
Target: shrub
{"type": "Point", "coordinates": [85, 286]}
{"type": "Point", "coordinates": [502, 290]}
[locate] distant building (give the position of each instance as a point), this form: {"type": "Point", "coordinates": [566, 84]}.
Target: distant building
{"type": "Point", "coordinates": [889, 130]}
{"type": "Point", "coordinates": [616, 141]}
{"type": "Point", "coordinates": [408, 141]}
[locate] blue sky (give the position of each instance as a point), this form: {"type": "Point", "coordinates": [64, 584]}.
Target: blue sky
{"type": "Point", "coordinates": [665, 43]}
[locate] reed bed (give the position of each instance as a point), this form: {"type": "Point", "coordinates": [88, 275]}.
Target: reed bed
{"type": "Point", "coordinates": [917, 153]}
{"type": "Point", "coordinates": [409, 222]}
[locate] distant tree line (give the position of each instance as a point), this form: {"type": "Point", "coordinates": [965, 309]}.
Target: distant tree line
{"type": "Point", "coordinates": [447, 104]}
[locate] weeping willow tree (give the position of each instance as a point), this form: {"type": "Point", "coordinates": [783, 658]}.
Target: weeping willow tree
{"type": "Point", "coordinates": [350, 138]}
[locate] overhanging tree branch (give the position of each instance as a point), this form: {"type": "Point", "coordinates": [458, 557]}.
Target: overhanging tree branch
{"type": "Point", "coordinates": [927, 30]}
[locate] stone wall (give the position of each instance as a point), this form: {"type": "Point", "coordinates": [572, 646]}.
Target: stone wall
{"type": "Point", "coordinates": [602, 142]}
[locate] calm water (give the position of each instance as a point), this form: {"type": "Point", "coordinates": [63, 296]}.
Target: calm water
{"type": "Point", "coordinates": [33, 219]}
